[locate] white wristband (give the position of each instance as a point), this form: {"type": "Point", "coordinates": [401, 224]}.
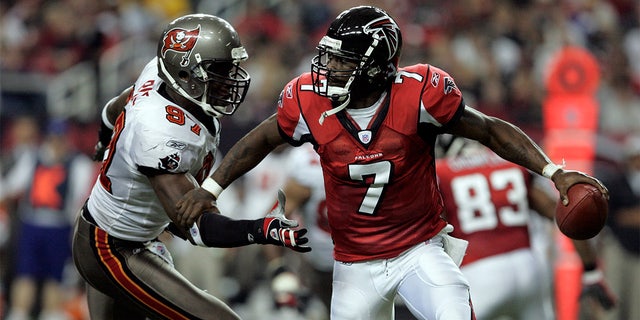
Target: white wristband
{"type": "Point", "coordinates": [212, 186]}
{"type": "Point", "coordinates": [550, 169]}
{"type": "Point", "coordinates": [591, 277]}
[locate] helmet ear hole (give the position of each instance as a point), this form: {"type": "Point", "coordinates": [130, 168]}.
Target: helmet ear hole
{"type": "Point", "coordinates": [183, 75]}
{"type": "Point", "coordinates": [373, 72]}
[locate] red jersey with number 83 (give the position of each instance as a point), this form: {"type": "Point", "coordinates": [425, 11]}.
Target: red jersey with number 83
{"type": "Point", "coordinates": [486, 200]}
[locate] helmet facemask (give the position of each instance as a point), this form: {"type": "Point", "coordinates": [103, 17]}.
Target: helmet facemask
{"type": "Point", "coordinates": [218, 87]}
{"type": "Point", "coordinates": [224, 85]}
{"type": "Point", "coordinates": [341, 84]}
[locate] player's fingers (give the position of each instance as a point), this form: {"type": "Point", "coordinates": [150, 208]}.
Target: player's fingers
{"type": "Point", "coordinates": [596, 183]}
{"type": "Point", "coordinates": [302, 241]}
{"type": "Point", "coordinates": [185, 216]}
{"type": "Point", "coordinates": [564, 198]}
{"type": "Point", "coordinates": [604, 190]}
{"type": "Point", "coordinates": [301, 233]}
{"type": "Point", "coordinates": [189, 220]}
{"type": "Point", "coordinates": [302, 249]}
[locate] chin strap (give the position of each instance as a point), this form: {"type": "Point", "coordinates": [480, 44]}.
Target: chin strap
{"type": "Point", "coordinates": [335, 110]}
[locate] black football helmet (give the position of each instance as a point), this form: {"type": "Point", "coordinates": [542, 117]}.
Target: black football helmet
{"type": "Point", "coordinates": [371, 39]}
{"type": "Point", "coordinates": [199, 57]}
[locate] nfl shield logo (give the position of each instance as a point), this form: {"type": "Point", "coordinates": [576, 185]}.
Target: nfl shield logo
{"type": "Point", "coordinates": [365, 136]}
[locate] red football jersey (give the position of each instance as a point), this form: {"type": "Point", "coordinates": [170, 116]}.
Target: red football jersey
{"type": "Point", "coordinates": [382, 195]}
{"type": "Point", "coordinates": [486, 200]}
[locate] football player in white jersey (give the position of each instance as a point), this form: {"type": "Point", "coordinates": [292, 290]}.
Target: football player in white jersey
{"type": "Point", "coordinates": [165, 133]}
{"type": "Point", "coordinates": [305, 176]}
{"type": "Point", "coordinates": [304, 187]}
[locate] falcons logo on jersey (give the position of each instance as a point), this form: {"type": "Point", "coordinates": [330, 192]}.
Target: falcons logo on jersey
{"type": "Point", "coordinates": [386, 30]}
{"type": "Point", "coordinates": [180, 40]}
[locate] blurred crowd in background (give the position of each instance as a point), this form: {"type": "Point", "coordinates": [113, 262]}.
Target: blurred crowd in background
{"type": "Point", "coordinates": [496, 50]}
{"type": "Point", "coordinates": [61, 60]}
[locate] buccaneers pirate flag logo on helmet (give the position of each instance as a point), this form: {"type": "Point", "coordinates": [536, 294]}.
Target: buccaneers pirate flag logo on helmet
{"type": "Point", "coordinates": [180, 40]}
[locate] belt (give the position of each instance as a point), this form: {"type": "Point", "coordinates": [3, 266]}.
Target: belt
{"type": "Point", "coordinates": [115, 241]}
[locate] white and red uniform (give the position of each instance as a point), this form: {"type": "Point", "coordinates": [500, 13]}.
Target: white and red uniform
{"type": "Point", "coordinates": [115, 245]}
{"type": "Point", "coordinates": [486, 200]}
{"type": "Point", "coordinates": [384, 207]}
{"type": "Point", "coordinates": [152, 132]}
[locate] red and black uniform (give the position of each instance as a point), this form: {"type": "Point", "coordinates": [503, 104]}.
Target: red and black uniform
{"type": "Point", "coordinates": [382, 195]}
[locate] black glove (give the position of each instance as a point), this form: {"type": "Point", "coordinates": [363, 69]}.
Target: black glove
{"type": "Point", "coordinates": [276, 229]}
{"type": "Point", "coordinates": [594, 287]}
{"type": "Point", "coordinates": [104, 136]}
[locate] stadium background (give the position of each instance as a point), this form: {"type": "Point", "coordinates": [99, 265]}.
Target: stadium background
{"type": "Point", "coordinates": [63, 59]}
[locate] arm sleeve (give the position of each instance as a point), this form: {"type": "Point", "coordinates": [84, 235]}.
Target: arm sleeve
{"type": "Point", "coordinates": [220, 231]}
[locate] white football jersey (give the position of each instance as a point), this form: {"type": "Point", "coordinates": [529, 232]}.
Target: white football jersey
{"type": "Point", "coordinates": [304, 168]}
{"type": "Point", "coordinates": [151, 132]}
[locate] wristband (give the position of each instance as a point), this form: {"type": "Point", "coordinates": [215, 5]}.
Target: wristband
{"type": "Point", "coordinates": [550, 169]}
{"type": "Point", "coordinates": [212, 186]}
{"type": "Point", "coordinates": [591, 277]}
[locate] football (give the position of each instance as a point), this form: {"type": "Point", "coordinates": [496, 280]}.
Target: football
{"type": "Point", "coordinates": [586, 213]}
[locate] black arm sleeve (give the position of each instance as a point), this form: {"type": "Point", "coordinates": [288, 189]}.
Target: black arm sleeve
{"type": "Point", "coordinates": [220, 231]}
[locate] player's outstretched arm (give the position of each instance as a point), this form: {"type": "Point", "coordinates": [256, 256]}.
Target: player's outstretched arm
{"type": "Point", "coordinates": [242, 157]}
{"type": "Point", "coordinates": [212, 229]}
{"type": "Point", "coordinates": [594, 286]}
{"type": "Point", "coordinates": [512, 144]}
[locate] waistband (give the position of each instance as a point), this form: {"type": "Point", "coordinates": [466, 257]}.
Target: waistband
{"type": "Point", "coordinates": [116, 241]}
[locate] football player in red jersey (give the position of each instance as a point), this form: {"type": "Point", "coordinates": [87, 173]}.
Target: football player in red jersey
{"type": "Point", "coordinates": [374, 126]}
{"type": "Point", "coordinates": [487, 200]}
{"type": "Point", "coordinates": [158, 148]}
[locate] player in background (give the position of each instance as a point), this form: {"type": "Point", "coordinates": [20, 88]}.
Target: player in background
{"type": "Point", "coordinates": [488, 201]}
{"type": "Point", "coordinates": [255, 194]}
{"type": "Point", "coordinates": [162, 145]}
{"type": "Point", "coordinates": [306, 202]}
{"type": "Point", "coordinates": [49, 189]}
{"type": "Point", "coordinates": [374, 126]}
{"type": "Point", "coordinates": [621, 241]}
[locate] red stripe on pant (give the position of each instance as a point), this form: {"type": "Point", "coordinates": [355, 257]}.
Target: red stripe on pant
{"type": "Point", "coordinates": [117, 272]}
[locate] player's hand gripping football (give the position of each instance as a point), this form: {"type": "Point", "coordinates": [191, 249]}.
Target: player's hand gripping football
{"type": "Point", "coordinates": [563, 179]}
{"type": "Point", "coordinates": [595, 288]}
{"type": "Point", "coordinates": [278, 230]}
